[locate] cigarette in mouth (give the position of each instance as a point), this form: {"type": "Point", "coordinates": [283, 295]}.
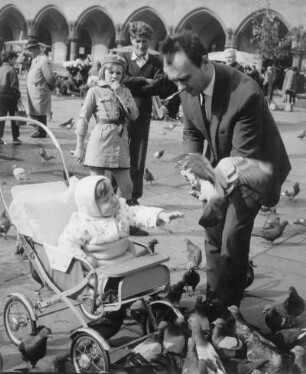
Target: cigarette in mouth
{"type": "Point", "coordinates": [173, 95]}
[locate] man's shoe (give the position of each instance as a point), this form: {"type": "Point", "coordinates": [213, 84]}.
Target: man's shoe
{"type": "Point", "coordinates": [136, 231]}
{"type": "Point", "coordinates": [17, 141]}
{"type": "Point", "coordinates": [38, 135]}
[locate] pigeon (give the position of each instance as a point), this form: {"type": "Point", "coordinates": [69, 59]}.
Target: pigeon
{"type": "Point", "coordinates": [294, 305]}
{"type": "Point", "coordinates": [45, 156]}
{"type": "Point", "coordinates": [259, 348]}
{"type": "Point", "coordinates": [291, 192]}
{"type": "Point", "coordinates": [275, 230]}
{"type": "Point", "coordinates": [201, 311]}
{"type": "Point", "coordinates": [300, 221]}
{"type": "Point", "coordinates": [175, 293]}
{"type": "Point", "coordinates": [226, 345]}
{"type": "Point", "coordinates": [175, 335]}
{"type": "Point", "coordinates": [20, 174]}
{"type": "Point", "coordinates": [152, 243]}
{"type": "Point", "coordinates": [34, 346]}
{"type": "Point", "coordinates": [242, 329]}
{"type": "Point", "coordinates": [287, 339]}
{"type": "Point", "coordinates": [192, 365]}
{"type": "Point", "coordinates": [159, 154]}
{"type": "Point", "coordinates": [205, 350]}
{"type": "Point", "coordinates": [148, 176]}
{"type": "Point", "coordinates": [68, 124]}
{"type": "Point", "coordinates": [274, 319]}
{"type": "Point", "coordinates": [63, 364]}
{"type": "Point", "coordinates": [5, 224]}
{"type": "Point", "coordinates": [302, 135]}
{"type": "Point", "coordinates": [264, 210]}
{"type": "Point", "coordinates": [194, 255]}
{"type": "Point", "coordinates": [191, 278]}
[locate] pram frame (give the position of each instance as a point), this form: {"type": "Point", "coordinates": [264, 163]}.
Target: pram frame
{"type": "Point", "coordinates": [37, 311]}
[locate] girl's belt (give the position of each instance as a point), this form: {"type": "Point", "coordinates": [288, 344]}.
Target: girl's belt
{"type": "Point", "coordinates": [107, 121]}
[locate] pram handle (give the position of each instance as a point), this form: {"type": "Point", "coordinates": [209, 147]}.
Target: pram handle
{"type": "Point", "coordinates": [31, 121]}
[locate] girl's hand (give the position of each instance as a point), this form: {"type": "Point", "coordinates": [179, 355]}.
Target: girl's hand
{"type": "Point", "coordinates": [79, 154]}
{"type": "Point", "coordinates": [166, 217]}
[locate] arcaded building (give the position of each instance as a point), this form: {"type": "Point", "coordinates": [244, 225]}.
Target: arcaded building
{"type": "Point", "coordinates": [73, 27]}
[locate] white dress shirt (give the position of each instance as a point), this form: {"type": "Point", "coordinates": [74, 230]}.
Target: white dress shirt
{"type": "Point", "coordinates": [140, 60]}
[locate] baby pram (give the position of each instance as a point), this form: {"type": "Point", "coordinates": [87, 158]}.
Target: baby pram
{"type": "Point", "coordinates": [39, 213]}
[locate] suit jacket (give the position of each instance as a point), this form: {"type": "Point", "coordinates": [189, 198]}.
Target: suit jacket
{"type": "Point", "coordinates": [241, 125]}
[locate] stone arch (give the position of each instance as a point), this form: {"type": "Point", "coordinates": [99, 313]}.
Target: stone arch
{"type": "Point", "coordinates": [207, 25]}
{"type": "Point", "coordinates": [96, 32]}
{"type": "Point", "coordinates": [13, 25]}
{"type": "Point", "coordinates": [51, 28]}
{"type": "Point", "coordinates": [152, 18]}
{"type": "Point", "coordinates": [243, 32]}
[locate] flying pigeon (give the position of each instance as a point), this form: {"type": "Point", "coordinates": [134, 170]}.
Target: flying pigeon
{"type": "Point", "coordinates": [194, 255]}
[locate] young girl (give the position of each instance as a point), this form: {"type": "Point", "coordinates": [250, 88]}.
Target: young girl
{"type": "Point", "coordinates": [113, 106]}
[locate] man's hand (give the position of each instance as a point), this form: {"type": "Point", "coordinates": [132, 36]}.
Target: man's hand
{"type": "Point", "coordinates": [166, 217]}
{"type": "Point", "coordinates": [199, 166]}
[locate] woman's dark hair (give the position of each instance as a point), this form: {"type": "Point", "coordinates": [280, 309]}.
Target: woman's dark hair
{"type": "Point", "coordinates": [188, 42]}
{"type": "Point", "coordinates": [6, 56]}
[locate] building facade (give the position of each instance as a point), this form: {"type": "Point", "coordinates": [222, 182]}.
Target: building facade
{"type": "Point", "coordinates": [74, 27]}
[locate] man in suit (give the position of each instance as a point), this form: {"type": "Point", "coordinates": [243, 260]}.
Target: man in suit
{"type": "Point", "coordinates": [225, 110]}
{"type": "Point", "coordinates": [231, 59]}
{"type": "Point", "coordinates": [144, 78]}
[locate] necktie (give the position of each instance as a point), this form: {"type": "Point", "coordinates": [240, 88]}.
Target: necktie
{"type": "Point", "coordinates": [202, 102]}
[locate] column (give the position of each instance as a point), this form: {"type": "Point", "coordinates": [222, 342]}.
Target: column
{"type": "Point", "coordinates": [230, 39]}
{"type": "Point", "coordinates": [170, 30]}
{"type": "Point", "coordinates": [31, 29]}
{"type": "Point", "coordinates": [73, 41]}
{"type": "Point", "coordinates": [119, 39]}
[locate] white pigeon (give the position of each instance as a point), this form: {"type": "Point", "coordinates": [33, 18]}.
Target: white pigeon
{"type": "Point", "coordinates": [20, 174]}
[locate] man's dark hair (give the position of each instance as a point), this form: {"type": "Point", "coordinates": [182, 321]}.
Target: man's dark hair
{"type": "Point", "coordinates": [188, 42]}
{"type": "Point", "coordinates": [140, 28]}
{"type": "Point", "coordinates": [6, 56]}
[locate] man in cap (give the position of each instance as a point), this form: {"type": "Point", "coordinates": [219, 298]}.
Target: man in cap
{"type": "Point", "coordinates": [40, 84]}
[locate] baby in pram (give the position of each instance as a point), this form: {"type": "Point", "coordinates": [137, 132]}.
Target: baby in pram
{"type": "Point", "coordinates": [99, 233]}
{"type": "Point", "coordinates": [99, 230]}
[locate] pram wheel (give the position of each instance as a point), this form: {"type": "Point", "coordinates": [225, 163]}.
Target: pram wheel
{"type": "Point", "coordinates": [161, 311]}
{"type": "Point", "coordinates": [88, 355]}
{"type": "Point", "coordinates": [18, 318]}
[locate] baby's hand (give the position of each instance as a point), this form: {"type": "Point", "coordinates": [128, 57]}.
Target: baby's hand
{"type": "Point", "coordinates": [166, 217]}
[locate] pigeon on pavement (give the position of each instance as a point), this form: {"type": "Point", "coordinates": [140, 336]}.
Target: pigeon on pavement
{"type": "Point", "coordinates": [273, 231]}
{"type": "Point", "coordinates": [292, 191]}
{"type": "Point", "coordinates": [5, 224]}
{"type": "Point", "coordinates": [194, 255]}
{"type": "Point", "coordinates": [191, 278]}
{"type": "Point", "coordinates": [45, 156]}
{"type": "Point", "coordinates": [67, 124]}
{"type": "Point", "coordinates": [226, 345]}
{"type": "Point", "coordinates": [274, 319]}
{"type": "Point", "coordinates": [148, 176]}
{"type": "Point", "coordinates": [301, 135]}
{"type": "Point", "coordinates": [294, 304]}
{"type": "Point", "coordinates": [175, 293]}
{"type": "Point", "coordinates": [159, 154]}
{"type": "Point", "coordinates": [34, 347]}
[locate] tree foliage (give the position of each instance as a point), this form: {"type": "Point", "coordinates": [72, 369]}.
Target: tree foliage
{"type": "Point", "coordinates": [266, 35]}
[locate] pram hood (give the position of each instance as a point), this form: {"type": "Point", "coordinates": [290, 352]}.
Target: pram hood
{"type": "Point", "coordinates": [85, 196]}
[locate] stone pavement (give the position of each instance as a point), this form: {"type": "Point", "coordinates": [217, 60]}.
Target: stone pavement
{"type": "Point", "coordinates": [279, 265]}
